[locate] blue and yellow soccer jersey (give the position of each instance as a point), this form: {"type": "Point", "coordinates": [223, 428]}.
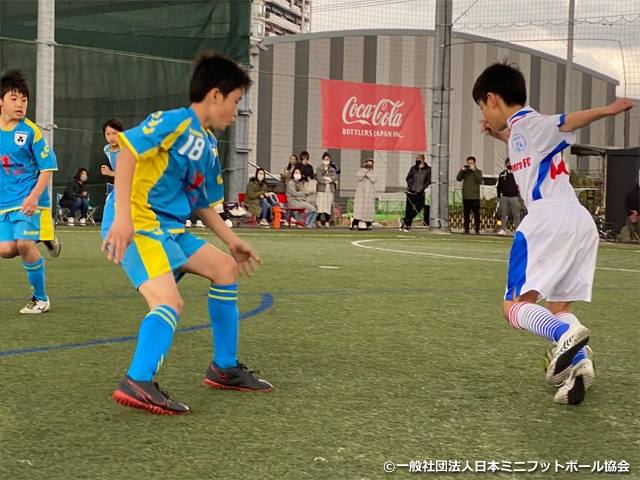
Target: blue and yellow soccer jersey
{"type": "Point", "coordinates": [111, 155]}
{"type": "Point", "coordinates": [177, 170]}
{"type": "Point", "coordinates": [24, 153]}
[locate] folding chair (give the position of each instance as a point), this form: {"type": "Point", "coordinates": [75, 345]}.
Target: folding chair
{"type": "Point", "coordinates": [91, 211]}
{"type": "Point", "coordinates": [62, 213]}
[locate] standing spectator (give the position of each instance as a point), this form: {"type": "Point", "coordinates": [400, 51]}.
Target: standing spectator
{"type": "Point", "coordinates": [509, 198]}
{"type": "Point", "coordinates": [296, 197]}
{"type": "Point", "coordinates": [631, 230]}
{"type": "Point", "coordinates": [365, 198]}
{"type": "Point", "coordinates": [286, 175]}
{"type": "Point", "coordinates": [256, 198]}
{"type": "Point", "coordinates": [418, 179]}
{"type": "Point", "coordinates": [471, 179]}
{"type": "Point", "coordinates": [75, 197]}
{"type": "Point", "coordinates": [326, 177]}
{"type": "Point", "coordinates": [305, 167]}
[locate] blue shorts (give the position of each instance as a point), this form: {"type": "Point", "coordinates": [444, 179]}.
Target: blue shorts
{"type": "Point", "coordinates": [154, 253]}
{"type": "Point", "coordinates": [15, 225]}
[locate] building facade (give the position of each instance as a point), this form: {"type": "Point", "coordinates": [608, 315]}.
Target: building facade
{"type": "Point", "coordinates": [280, 17]}
{"type": "Point", "coordinates": [286, 99]}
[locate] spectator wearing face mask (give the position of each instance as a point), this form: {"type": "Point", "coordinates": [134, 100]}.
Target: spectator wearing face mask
{"type": "Point", "coordinates": [365, 198]}
{"type": "Point", "coordinates": [285, 176]}
{"type": "Point", "coordinates": [326, 177]}
{"type": "Point", "coordinates": [296, 197]}
{"type": "Point", "coordinates": [75, 197]}
{"type": "Point", "coordinates": [418, 179]}
{"type": "Point", "coordinates": [255, 199]}
{"type": "Point", "coordinates": [509, 198]}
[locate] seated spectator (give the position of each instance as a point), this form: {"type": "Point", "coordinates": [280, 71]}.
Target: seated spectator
{"type": "Point", "coordinates": [255, 199]}
{"type": "Point", "coordinates": [296, 196]}
{"type": "Point", "coordinates": [75, 197]}
{"type": "Point", "coordinates": [631, 230]}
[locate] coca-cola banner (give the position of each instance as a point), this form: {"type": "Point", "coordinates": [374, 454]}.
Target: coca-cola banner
{"type": "Point", "coordinates": [365, 116]}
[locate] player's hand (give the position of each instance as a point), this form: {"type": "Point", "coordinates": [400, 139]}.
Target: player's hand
{"type": "Point", "coordinates": [29, 205]}
{"type": "Point", "coordinates": [621, 105]}
{"type": "Point", "coordinates": [105, 170]}
{"type": "Point", "coordinates": [245, 257]}
{"type": "Point", "coordinates": [118, 239]}
{"type": "Point", "coordinates": [487, 129]}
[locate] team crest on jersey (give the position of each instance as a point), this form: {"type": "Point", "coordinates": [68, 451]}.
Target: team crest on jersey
{"type": "Point", "coordinates": [20, 138]}
{"type": "Point", "coordinates": [518, 142]}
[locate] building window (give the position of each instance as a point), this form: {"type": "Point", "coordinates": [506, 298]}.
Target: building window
{"type": "Point", "coordinates": [258, 10]}
{"type": "Point", "coordinates": [257, 30]}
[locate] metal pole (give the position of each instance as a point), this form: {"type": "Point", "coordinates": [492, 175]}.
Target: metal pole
{"type": "Point", "coordinates": [45, 72]}
{"type": "Point", "coordinates": [239, 151]}
{"type": "Point", "coordinates": [439, 211]}
{"type": "Point", "coordinates": [569, 72]}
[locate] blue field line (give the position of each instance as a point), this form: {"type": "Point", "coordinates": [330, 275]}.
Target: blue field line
{"type": "Point", "coordinates": [265, 304]}
{"type": "Point", "coordinates": [302, 292]}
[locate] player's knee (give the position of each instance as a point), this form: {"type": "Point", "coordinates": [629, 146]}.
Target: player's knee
{"type": "Point", "coordinates": [227, 272]}
{"type": "Point", "coordinates": [8, 250]}
{"type": "Point", "coordinates": [25, 247]}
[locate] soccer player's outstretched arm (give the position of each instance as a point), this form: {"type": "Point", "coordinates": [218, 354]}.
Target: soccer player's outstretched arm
{"type": "Point", "coordinates": [121, 233]}
{"type": "Point", "coordinates": [576, 120]}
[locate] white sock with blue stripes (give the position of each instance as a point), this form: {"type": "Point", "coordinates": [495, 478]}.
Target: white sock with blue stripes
{"type": "Point", "coordinates": [537, 319]}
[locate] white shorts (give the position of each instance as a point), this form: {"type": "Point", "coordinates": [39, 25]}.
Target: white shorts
{"type": "Point", "coordinates": [554, 253]}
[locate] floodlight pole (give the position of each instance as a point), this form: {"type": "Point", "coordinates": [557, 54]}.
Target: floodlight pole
{"type": "Point", "coordinates": [441, 105]}
{"type": "Point", "coordinates": [45, 73]}
{"type": "Point", "coordinates": [569, 71]}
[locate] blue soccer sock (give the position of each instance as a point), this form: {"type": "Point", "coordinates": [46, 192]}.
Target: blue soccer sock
{"type": "Point", "coordinates": [537, 319]}
{"type": "Point", "coordinates": [154, 339]}
{"type": "Point", "coordinates": [223, 312]}
{"type": "Point", "coordinates": [35, 274]}
{"type": "Point", "coordinates": [571, 319]}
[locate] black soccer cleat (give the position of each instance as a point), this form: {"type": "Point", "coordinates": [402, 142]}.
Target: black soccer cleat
{"type": "Point", "coordinates": [236, 378]}
{"type": "Point", "coordinates": [147, 396]}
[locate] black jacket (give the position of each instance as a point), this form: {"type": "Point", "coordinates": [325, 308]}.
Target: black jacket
{"type": "Point", "coordinates": [507, 185]}
{"type": "Point", "coordinates": [418, 179]}
{"type": "Point", "coordinates": [74, 190]}
{"type": "Point", "coordinates": [306, 171]}
{"type": "Point", "coordinates": [632, 200]}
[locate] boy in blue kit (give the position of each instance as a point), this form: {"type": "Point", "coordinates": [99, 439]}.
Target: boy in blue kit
{"type": "Point", "coordinates": [26, 163]}
{"type": "Point", "coordinates": [554, 250]}
{"type": "Point", "coordinates": [167, 169]}
{"type": "Point", "coordinates": [110, 130]}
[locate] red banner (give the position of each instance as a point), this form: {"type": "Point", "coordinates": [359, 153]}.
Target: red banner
{"type": "Point", "coordinates": [365, 116]}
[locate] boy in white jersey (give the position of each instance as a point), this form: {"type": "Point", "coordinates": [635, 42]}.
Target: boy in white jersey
{"type": "Point", "coordinates": [555, 247]}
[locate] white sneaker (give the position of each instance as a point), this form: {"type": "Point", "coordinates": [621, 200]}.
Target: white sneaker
{"type": "Point", "coordinates": [36, 306]}
{"type": "Point", "coordinates": [71, 221]}
{"type": "Point", "coordinates": [228, 223]}
{"type": "Point", "coordinates": [187, 224]}
{"type": "Point", "coordinates": [83, 222]}
{"type": "Point", "coordinates": [264, 222]}
{"type": "Point", "coordinates": [53, 247]}
{"type": "Point", "coordinates": [573, 390]}
{"type": "Point", "coordinates": [238, 212]}
{"type": "Point", "coordinates": [569, 344]}
{"type": "Point", "coordinates": [501, 232]}
{"type": "Point", "coordinates": [199, 224]}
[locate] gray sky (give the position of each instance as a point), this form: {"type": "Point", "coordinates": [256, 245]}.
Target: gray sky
{"type": "Point", "coordinates": [607, 32]}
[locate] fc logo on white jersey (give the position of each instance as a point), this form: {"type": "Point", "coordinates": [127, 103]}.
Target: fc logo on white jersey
{"type": "Point", "coordinates": [20, 138]}
{"type": "Point", "coordinates": [518, 142]}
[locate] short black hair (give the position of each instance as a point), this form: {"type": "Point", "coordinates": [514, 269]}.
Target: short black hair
{"type": "Point", "coordinates": [304, 153]}
{"type": "Point", "coordinates": [212, 70]}
{"type": "Point", "coordinates": [471, 157]}
{"type": "Point", "coordinates": [326, 154]}
{"type": "Point", "coordinates": [113, 123]}
{"type": "Point", "coordinates": [13, 80]}
{"type": "Point", "coordinates": [501, 79]}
